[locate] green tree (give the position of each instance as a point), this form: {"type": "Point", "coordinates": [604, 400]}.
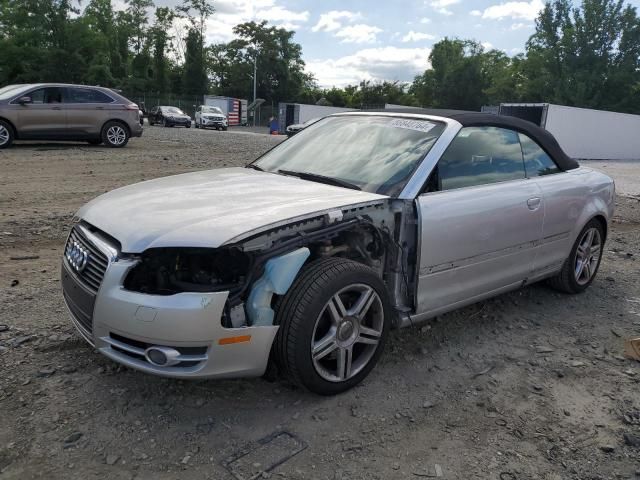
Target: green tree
{"type": "Point", "coordinates": [587, 56]}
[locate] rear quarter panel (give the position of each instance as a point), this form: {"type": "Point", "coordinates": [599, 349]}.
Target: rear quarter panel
{"type": "Point", "coordinates": [571, 200]}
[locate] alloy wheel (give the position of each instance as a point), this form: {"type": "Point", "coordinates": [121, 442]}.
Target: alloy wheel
{"type": "Point", "coordinates": [4, 135]}
{"type": "Point", "coordinates": [347, 333]}
{"type": "Point", "coordinates": [587, 256]}
{"type": "Point", "coordinates": [116, 135]}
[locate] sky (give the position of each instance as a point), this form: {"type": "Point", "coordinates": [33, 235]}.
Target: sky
{"type": "Point", "coordinates": [345, 42]}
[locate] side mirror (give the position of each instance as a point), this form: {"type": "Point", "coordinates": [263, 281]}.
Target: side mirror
{"type": "Point", "coordinates": [24, 100]}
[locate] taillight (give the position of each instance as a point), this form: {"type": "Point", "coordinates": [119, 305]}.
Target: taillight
{"type": "Point", "coordinates": [131, 106]}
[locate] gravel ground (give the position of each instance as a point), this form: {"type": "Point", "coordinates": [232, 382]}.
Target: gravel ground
{"type": "Point", "coordinates": [530, 385]}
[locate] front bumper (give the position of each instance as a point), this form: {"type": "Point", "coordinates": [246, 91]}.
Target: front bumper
{"type": "Point", "coordinates": [213, 123]}
{"type": "Point", "coordinates": [123, 324]}
{"type": "Point", "coordinates": [178, 122]}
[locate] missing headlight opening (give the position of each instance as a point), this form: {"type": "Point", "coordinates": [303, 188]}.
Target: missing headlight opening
{"type": "Point", "coordinates": [168, 271]}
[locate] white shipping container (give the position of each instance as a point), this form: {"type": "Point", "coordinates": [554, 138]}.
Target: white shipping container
{"type": "Point", "coordinates": [297, 113]}
{"type": "Point", "coordinates": [584, 133]}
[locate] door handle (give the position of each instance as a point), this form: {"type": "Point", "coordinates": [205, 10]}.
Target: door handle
{"type": "Point", "coordinates": [534, 203]}
{"type": "Point", "coordinates": [56, 108]}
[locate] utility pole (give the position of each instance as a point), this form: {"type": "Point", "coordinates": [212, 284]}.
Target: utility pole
{"type": "Point", "coordinates": [255, 82]}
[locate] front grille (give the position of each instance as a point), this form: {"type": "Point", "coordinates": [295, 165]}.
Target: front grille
{"type": "Point", "coordinates": [135, 349]}
{"type": "Point", "coordinates": [79, 299]}
{"type": "Point", "coordinates": [96, 265]}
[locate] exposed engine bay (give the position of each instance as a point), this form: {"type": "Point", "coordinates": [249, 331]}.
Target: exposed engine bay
{"type": "Point", "coordinates": [372, 235]}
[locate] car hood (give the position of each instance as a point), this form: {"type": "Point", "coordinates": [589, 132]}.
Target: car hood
{"type": "Point", "coordinates": [211, 208]}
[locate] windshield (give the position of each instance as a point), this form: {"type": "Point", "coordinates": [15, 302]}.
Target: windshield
{"type": "Point", "coordinates": [11, 90]}
{"type": "Point", "coordinates": [378, 154]}
{"type": "Point", "coordinates": [175, 110]}
{"type": "Point", "coordinates": [211, 110]}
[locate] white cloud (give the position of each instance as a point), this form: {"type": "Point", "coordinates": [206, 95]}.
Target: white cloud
{"type": "Point", "coordinates": [440, 6]}
{"type": "Point", "coordinates": [359, 33]}
{"type": "Point", "coordinates": [475, 13]}
{"type": "Point", "coordinates": [417, 36]}
{"type": "Point", "coordinates": [487, 45]}
{"type": "Point", "coordinates": [333, 20]}
{"type": "Point", "coordinates": [515, 10]}
{"type": "Point", "coordinates": [520, 26]}
{"type": "Point", "coordinates": [277, 13]}
{"type": "Point", "coordinates": [386, 63]}
{"type": "Point", "coordinates": [425, 20]}
{"type": "Point", "coordinates": [230, 13]}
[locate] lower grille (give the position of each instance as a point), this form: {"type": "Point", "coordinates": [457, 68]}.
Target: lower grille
{"type": "Point", "coordinates": [135, 349]}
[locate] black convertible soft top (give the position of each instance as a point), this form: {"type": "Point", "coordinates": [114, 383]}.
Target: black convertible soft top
{"type": "Point", "coordinates": [476, 119]}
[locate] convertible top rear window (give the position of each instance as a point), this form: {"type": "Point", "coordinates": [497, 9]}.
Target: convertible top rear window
{"type": "Point", "coordinates": [377, 154]}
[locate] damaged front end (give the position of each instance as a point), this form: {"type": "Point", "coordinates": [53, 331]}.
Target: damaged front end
{"type": "Point", "coordinates": [256, 269]}
{"type": "Point", "coordinates": [208, 312]}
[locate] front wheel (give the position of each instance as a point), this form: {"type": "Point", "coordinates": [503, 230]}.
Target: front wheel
{"type": "Point", "coordinates": [333, 325]}
{"type": "Point", "coordinates": [579, 270]}
{"type": "Point", "coordinates": [6, 134]}
{"type": "Point", "coordinates": [115, 135]}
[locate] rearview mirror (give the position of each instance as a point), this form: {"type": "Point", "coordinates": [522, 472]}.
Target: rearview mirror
{"type": "Point", "coordinates": [23, 100]}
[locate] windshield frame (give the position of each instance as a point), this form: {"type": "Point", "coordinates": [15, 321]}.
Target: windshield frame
{"type": "Point", "coordinates": [9, 92]}
{"type": "Point", "coordinates": [398, 191]}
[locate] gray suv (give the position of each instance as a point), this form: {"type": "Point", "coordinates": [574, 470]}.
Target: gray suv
{"type": "Point", "coordinates": [48, 111]}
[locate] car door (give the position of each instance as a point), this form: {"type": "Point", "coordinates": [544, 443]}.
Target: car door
{"type": "Point", "coordinates": [479, 221]}
{"type": "Point", "coordinates": [87, 111]}
{"type": "Point", "coordinates": [563, 195]}
{"type": "Point", "coordinates": [44, 116]}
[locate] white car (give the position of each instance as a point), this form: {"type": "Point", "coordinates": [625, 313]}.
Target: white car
{"type": "Point", "coordinates": [362, 222]}
{"type": "Point", "coordinates": [210, 117]}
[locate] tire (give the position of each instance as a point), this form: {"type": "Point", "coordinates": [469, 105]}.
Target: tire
{"type": "Point", "coordinates": [94, 142]}
{"type": "Point", "coordinates": [6, 134]}
{"type": "Point", "coordinates": [164, 123]}
{"type": "Point", "coordinates": [576, 274]}
{"type": "Point", "coordinates": [308, 314]}
{"type": "Point", "coordinates": [188, 126]}
{"type": "Point", "coordinates": [224, 129]}
{"type": "Point", "coordinates": [115, 134]}
{"type": "Point", "coordinates": [195, 124]}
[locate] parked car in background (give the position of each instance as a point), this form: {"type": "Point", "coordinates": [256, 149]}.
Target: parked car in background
{"type": "Point", "coordinates": [210, 117]}
{"type": "Point", "coordinates": [169, 117]}
{"type": "Point", "coordinates": [309, 256]}
{"type": "Point", "coordinates": [51, 111]}
{"type": "Point", "coordinates": [298, 127]}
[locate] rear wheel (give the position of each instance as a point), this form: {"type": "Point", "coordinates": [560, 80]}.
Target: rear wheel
{"type": "Point", "coordinates": [333, 325]}
{"type": "Point", "coordinates": [6, 134]}
{"type": "Point", "coordinates": [579, 270]}
{"type": "Point", "coordinates": [115, 135]}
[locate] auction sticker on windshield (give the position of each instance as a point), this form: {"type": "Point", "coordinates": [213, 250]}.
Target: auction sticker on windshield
{"type": "Point", "coordinates": [418, 125]}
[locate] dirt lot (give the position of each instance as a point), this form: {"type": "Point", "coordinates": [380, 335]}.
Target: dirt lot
{"type": "Point", "coordinates": [530, 385]}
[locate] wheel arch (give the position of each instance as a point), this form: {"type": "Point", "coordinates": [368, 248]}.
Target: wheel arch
{"type": "Point", "coordinates": [603, 223]}
{"type": "Point", "coordinates": [117, 120]}
{"type": "Point", "coordinates": [13, 127]}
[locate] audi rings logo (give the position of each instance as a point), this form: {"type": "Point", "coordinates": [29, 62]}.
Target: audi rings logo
{"type": "Point", "coordinates": [77, 256]}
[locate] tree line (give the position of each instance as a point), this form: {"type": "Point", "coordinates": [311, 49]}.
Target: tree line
{"type": "Point", "coordinates": [586, 56]}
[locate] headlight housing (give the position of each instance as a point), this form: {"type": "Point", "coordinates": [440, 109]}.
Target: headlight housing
{"type": "Point", "coordinates": [168, 271]}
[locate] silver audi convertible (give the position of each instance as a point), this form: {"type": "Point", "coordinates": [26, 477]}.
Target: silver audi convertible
{"type": "Point", "coordinates": [362, 222]}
